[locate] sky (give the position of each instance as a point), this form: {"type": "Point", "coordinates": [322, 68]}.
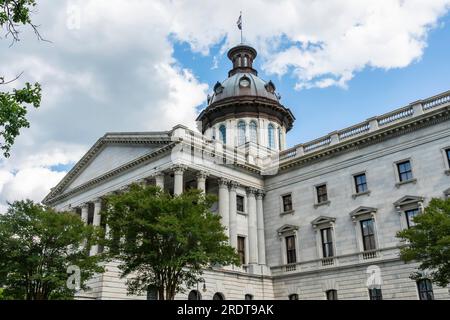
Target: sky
{"type": "Point", "coordinates": [135, 65]}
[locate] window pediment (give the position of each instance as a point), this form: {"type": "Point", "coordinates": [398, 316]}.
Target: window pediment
{"type": "Point", "coordinates": [287, 228]}
{"type": "Point", "coordinates": [361, 211]}
{"type": "Point", "coordinates": [322, 220]}
{"type": "Point", "coordinates": [408, 200]}
{"type": "Point", "coordinates": [218, 88]}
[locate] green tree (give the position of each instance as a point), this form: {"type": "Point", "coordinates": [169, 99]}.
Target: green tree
{"type": "Point", "coordinates": [165, 241]}
{"type": "Point", "coordinates": [37, 245]}
{"type": "Point", "coordinates": [13, 104]}
{"type": "Point", "coordinates": [429, 241]}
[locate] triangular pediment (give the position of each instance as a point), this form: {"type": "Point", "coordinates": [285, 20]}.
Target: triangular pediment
{"type": "Point", "coordinates": [286, 229]}
{"type": "Point", "coordinates": [322, 220]}
{"type": "Point", "coordinates": [406, 200]}
{"type": "Point", "coordinates": [362, 211]}
{"type": "Point", "coordinates": [112, 152]}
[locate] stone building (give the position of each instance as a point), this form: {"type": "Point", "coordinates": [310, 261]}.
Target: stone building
{"type": "Point", "coordinates": [314, 221]}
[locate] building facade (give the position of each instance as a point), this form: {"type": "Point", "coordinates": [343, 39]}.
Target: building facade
{"type": "Point", "coordinates": [314, 221]}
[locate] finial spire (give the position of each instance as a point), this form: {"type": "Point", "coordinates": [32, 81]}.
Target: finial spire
{"type": "Point", "coordinates": [239, 24]}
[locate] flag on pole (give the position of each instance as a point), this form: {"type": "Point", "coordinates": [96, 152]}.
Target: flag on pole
{"type": "Point", "coordinates": [239, 22]}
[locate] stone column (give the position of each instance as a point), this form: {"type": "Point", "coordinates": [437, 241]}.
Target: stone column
{"type": "Point", "coordinates": [84, 212]}
{"type": "Point", "coordinates": [159, 180]}
{"type": "Point", "coordinates": [233, 214]}
{"type": "Point", "coordinates": [201, 181]}
{"type": "Point", "coordinates": [96, 222]}
{"type": "Point", "coordinates": [178, 180]}
{"type": "Point", "coordinates": [224, 204]}
{"type": "Point", "coordinates": [260, 224]}
{"type": "Point", "coordinates": [252, 227]}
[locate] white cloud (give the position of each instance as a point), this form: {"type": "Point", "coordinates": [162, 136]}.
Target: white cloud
{"type": "Point", "coordinates": [117, 72]}
{"type": "Point", "coordinates": [30, 183]}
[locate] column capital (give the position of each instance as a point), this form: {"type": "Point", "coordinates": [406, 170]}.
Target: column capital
{"type": "Point", "coordinates": [223, 182]}
{"type": "Point", "coordinates": [141, 181]}
{"type": "Point", "coordinates": [233, 185]}
{"type": "Point", "coordinates": [202, 175]}
{"type": "Point", "coordinates": [179, 168]}
{"type": "Point", "coordinates": [84, 205]}
{"type": "Point", "coordinates": [251, 191]}
{"type": "Point", "coordinates": [157, 174]}
{"type": "Point", "coordinates": [260, 194]}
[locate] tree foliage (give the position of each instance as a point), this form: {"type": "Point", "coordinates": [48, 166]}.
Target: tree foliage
{"type": "Point", "coordinates": [165, 241]}
{"type": "Point", "coordinates": [13, 111]}
{"type": "Point", "coordinates": [37, 245]}
{"type": "Point", "coordinates": [429, 242]}
{"type": "Point", "coordinates": [13, 105]}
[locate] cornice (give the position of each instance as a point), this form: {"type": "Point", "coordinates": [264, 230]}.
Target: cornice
{"type": "Point", "coordinates": [234, 106]}
{"type": "Point", "coordinates": [371, 138]}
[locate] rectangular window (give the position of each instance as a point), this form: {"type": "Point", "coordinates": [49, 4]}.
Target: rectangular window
{"type": "Point", "coordinates": [375, 294]}
{"type": "Point", "coordinates": [322, 195]}
{"type": "Point", "coordinates": [332, 295]}
{"type": "Point", "coordinates": [360, 183]}
{"type": "Point", "coordinates": [290, 249]}
{"type": "Point", "coordinates": [240, 203]}
{"type": "Point", "coordinates": [404, 171]}
{"type": "Point", "coordinates": [447, 153]}
{"type": "Point", "coordinates": [241, 249]}
{"type": "Point", "coordinates": [368, 234]}
{"type": "Point", "coordinates": [410, 214]}
{"type": "Point", "coordinates": [327, 243]}
{"type": "Point", "coordinates": [287, 203]}
{"type": "Point", "coordinates": [425, 289]}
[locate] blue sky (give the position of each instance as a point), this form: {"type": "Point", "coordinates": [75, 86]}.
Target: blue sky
{"type": "Point", "coordinates": [373, 91]}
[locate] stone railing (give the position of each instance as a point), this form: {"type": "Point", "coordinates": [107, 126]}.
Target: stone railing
{"type": "Point", "coordinates": [379, 122]}
{"type": "Point", "coordinates": [342, 260]}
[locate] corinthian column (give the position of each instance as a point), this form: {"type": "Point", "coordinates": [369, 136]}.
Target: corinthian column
{"type": "Point", "coordinates": [252, 227]}
{"type": "Point", "coordinates": [201, 181]}
{"type": "Point", "coordinates": [260, 224]}
{"type": "Point", "coordinates": [224, 204]}
{"type": "Point", "coordinates": [178, 180]}
{"type": "Point", "coordinates": [84, 212]}
{"type": "Point", "coordinates": [96, 222]}
{"type": "Point", "coordinates": [159, 180]}
{"type": "Point", "coordinates": [233, 214]}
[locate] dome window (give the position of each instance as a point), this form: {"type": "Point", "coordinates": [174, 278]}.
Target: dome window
{"type": "Point", "coordinates": [270, 87]}
{"type": "Point", "coordinates": [223, 134]}
{"type": "Point", "coordinates": [241, 132]}
{"type": "Point", "coordinates": [271, 132]}
{"type": "Point", "coordinates": [218, 88]}
{"type": "Point", "coordinates": [253, 132]}
{"type": "Point", "coordinates": [244, 82]}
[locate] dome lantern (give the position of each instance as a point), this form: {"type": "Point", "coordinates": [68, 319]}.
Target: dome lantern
{"type": "Point", "coordinates": [242, 57]}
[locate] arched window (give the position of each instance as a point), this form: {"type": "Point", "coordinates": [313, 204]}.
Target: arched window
{"type": "Point", "coordinates": [253, 132]}
{"type": "Point", "coordinates": [223, 134]}
{"type": "Point", "coordinates": [194, 295]}
{"type": "Point", "coordinates": [245, 61]}
{"type": "Point", "coordinates": [271, 136]}
{"type": "Point", "coordinates": [331, 294]}
{"type": "Point", "coordinates": [248, 296]}
{"type": "Point", "coordinates": [279, 137]}
{"type": "Point", "coordinates": [241, 133]}
{"type": "Point", "coordinates": [218, 296]}
{"type": "Point", "coordinates": [293, 296]}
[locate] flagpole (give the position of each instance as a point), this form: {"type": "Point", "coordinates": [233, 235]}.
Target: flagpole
{"type": "Point", "coordinates": [241, 26]}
